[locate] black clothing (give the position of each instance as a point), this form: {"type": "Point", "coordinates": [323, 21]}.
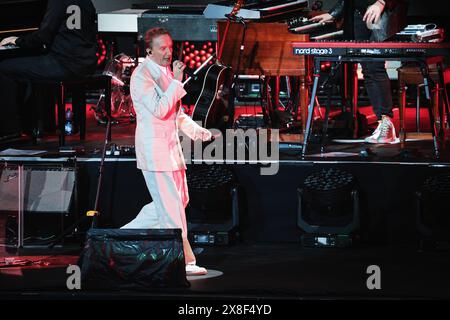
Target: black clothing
{"type": "Point", "coordinates": [393, 18]}
{"type": "Point", "coordinates": [376, 79]}
{"type": "Point", "coordinates": [75, 48]}
{"type": "Point", "coordinates": [363, 4]}
{"type": "Point", "coordinates": [70, 52]}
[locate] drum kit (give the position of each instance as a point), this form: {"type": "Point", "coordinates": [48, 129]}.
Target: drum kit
{"type": "Point", "coordinates": [120, 68]}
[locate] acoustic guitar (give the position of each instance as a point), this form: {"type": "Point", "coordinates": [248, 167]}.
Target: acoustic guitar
{"type": "Point", "coordinates": [212, 102]}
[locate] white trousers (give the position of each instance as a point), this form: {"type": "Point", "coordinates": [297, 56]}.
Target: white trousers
{"type": "Point", "coordinates": [169, 192]}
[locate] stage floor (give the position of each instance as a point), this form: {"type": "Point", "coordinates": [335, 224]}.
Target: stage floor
{"type": "Point", "coordinates": [257, 271]}
{"type": "Point", "coordinates": [417, 148]}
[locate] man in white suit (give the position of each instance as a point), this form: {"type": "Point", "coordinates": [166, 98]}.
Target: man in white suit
{"type": "Point", "coordinates": [156, 92]}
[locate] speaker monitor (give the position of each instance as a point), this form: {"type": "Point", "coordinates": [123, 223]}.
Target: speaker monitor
{"type": "Point", "coordinates": [47, 193]}
{"type": "Point", "coordinates": [45, 189]}
{"type": "Point", "coordinates": [125, 259]}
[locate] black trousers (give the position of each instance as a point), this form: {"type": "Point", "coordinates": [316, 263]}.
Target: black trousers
{"type": "Point", "coordinates": [19, 108]}
{"type": "Point", "coordinates": [376, 79]}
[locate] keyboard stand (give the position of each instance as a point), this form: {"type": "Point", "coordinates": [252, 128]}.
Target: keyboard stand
{"type": "Point", "coordinates": [421, 61]}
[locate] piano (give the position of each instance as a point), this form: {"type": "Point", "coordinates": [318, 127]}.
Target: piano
{"type": "Point", "coordinates": [263, 11]}
{"type": "Point", "coordinates": [8, 51]}
{"type": "Point", "coordinates": [18, 17]}
{"type": "Point", "coordinates": [194, 22]}
{"type": "Point", "coordinates": [184, 21]}
{"type": "Point", "coordinates": [371, 49]}
{"type": "Point", "coordinates": [355, 51]}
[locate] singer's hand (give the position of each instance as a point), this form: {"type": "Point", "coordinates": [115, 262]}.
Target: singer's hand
{"type": "Point", "coordinates": [205, 134]}
{"type": "Point", "coordinates": [178, 68]}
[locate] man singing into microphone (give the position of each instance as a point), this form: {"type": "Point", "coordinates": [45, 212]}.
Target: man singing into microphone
{"type": "Point", "coordinates": [156, 92]}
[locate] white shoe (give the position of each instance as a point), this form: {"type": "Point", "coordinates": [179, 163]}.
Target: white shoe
{"type": "Point", "coordinates": [194, 270]}
{"type": "Point", "coordinates": [384, 133]}
{"type": "Point", "coordinates": [374, 136]}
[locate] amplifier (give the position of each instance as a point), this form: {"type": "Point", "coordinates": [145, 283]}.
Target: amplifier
{"type": "Point", "coordinates": [45, 189]}
{"type": "Point", "coordinates": [181, 26]}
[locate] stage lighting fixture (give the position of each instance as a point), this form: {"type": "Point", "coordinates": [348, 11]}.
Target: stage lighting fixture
{"type": "Point", "coordinates": [432, 213]}
{"type": "Point", "coordinates": [328, 209]}
{"type": "Point", "coordinates": [212, 212]}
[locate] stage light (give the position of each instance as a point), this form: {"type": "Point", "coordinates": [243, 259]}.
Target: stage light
{"type": "Point", "coordinates": [101, 52]}
{"type": "Point", "coordinates": [197, 52]}
{"type": "Point", "coordinates": [432, 214]}
{"type": "Point", "coordinates": [212, 212]}
{"type": "Point", "coordinates": [328, 210]}
{"type": "Point", "coordinates": [324, 66]}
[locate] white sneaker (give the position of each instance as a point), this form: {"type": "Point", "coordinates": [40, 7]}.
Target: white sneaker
{"type": "Point", "coordinates": [194, 270]}
{"type": "Point", "coordinates": [384, 133]}
{"type": "Point", "coordinates": [374, 136]}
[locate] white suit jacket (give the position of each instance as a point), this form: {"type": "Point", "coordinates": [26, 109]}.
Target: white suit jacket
{"type": "Point", "coordinates": [156, 99]}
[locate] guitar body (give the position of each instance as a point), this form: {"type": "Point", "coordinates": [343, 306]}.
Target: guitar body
{"type": "Point", "coordinates": [211, 108]}
{"type": "Point", "coordinates": [212, 103]}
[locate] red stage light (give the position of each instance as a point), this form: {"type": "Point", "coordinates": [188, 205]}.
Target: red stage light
{"type": "Point", "coordinates": [101, 53]}
{"type": "Point", "coordinates": [194, 53]}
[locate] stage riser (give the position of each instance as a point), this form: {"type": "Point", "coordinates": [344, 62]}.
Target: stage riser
{"type": "Point", "coordinates": [268, 204]}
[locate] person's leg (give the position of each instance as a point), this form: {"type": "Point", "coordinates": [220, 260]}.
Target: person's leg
{"type": "Point", "coordinates": [169, 198]}
{"type": "Point", "coordinates": [148, 217]}
{"type": "Point", "coordinates": [378, 87]}
{"type": "Point", "coordinates": [182, 189]}
{"type": "Point", "coordinates": [24, 71]}
{"type": "Point", "coordinates": [35, 68]}
{"type": "Point", "coordinates": [376, 79]}
{"type": "Point", "coordinates": [9, 107]}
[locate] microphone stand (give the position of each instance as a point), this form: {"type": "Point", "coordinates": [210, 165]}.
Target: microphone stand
{"type": "Point", "coordinates": [193, 75]}
{"type": "Point", "coordinates": [92, 213]}
{"type": "Point", "coordinates": [233, 94]}
{"type": "Point", "coordinates": [95, 213]}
